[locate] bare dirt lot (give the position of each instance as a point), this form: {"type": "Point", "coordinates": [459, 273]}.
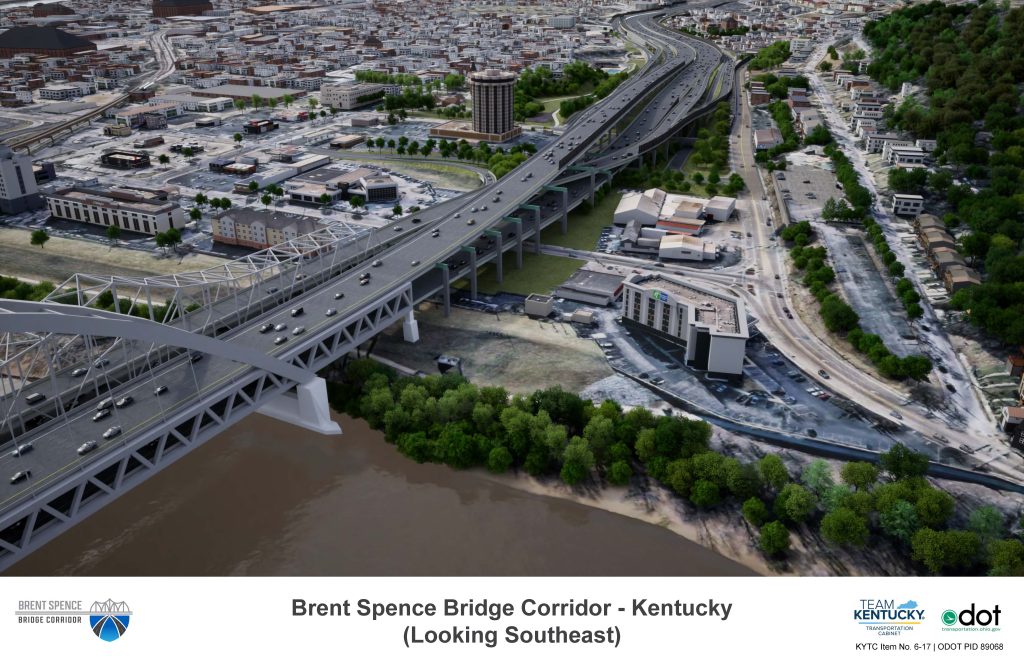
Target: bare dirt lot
{"type": "Point", "coordinates": [60, 258]}
{"type": "Point", "coordinates": [509, 350]}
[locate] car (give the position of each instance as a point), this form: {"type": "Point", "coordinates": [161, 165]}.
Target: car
{"type": "Point", "coordinates": [643, 376]}
{"type": "Point", "coordinates": [331, 312]}
{"type": "Point", "coordinates": [950, 388]}
{"type": "Point", "coordinates": [823, 373]}
{"type": "Point", "coordinates": [339, 295]}
{"type": "Point", "coordinates": [101, 362]}
{"type": "Point", "coordinates": [377, 263]}
{"type": "Point", "coordinates": [500, 192]}
{"type": "Point", "coordinates": [271, 291]}
{"type": "Point", "coordinates": [111, 432]}
{"type": "Point", "coordinates": [297, 311]}
{"type": "Point", "coordinates": [124, 401]}
{"type": "Point", "coordinates": [778, 362]}
{"type": "Point", "coordinates": [495, 199]}
{"type": "Point", "coordinates": [87, 447]}
{"type": "Point", "coordinates": [456, 215]}
{"type": "Point", "coordinates": [896, 415]}
{"type": "Point", "coordinates": [776, 276]}
{"type": "Point", "coordinates": [22, 449]}
{"type": "Point", "coordinates": [79, 372]}
{"type": "Point", "coordinates": [298, 330]}
{"type": "Point", "coordinates": [364, 282]}
{"type": "Point", "coordinates": [34, 397]}
{"type": "Point", "coordinates": [21, 475]}
{"type": "Point", "coordinates": [484, 208]}
{"type": "Point", "coordinates": [101, 415]}
{"type": "Point", "coordinates": [414, 263]}
{"type": "Point", "coordinates": [472, 209]}
{"type": "Point", "coordinates": [160, 389]}
{"type": "Point", "coordinates": [606, 344]}
{"type": "Point", "coordinates": [435, 233]}
{"type": "Point", "coordinates": [398, 229]}
{"type": "Point", "coordinates": [265, 327]}
{"type": "Point", "coordinates": [471, 222]}
{"type": "Point", "coordinates": [942, 369]}
{"type": "Point", "coordinates": [812, 433]}
{"type": "Point", "coordinates": [195, 357]}
{"type": "Point", "coordinates": [280, 326]}
{"type": "Point", "coordinates": [749, 235]}
{"type": "Point", "coordinates": [278, 340]}
{"type": "Point", "coordinates": [417, 220]}
{"type": "Point", "coordinates": [658, 380]}
{"type": "Point", "coordinates": [105, 404]}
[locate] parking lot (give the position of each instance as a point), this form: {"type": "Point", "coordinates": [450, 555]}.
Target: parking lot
{"type": "Point", "coordinates": [805, 187]}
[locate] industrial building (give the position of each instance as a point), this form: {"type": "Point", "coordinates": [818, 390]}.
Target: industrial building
{"type": "Point", "coordinates": [138, 210]}
{"type": "Point", "coordinates": [712, 326]}
{"type": "Point", "coordinates": [672, 213]}
{"type": "Point", "coordinates": [592, 287]}
{"type": "Point", "coordinates": [125, 159]}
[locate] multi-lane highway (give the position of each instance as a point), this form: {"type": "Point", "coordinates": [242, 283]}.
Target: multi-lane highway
{"type": "Point", "coordinates": [440, 245]}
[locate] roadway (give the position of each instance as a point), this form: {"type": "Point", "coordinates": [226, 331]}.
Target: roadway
{"type": "Point", "coordinates": [448, 234]}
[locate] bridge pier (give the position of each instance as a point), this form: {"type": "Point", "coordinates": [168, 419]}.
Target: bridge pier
{"type": "Point", "coordinates": [499, 260]}
{"type": "Point", "coordinates": [536, 227]}
{"type": "Point", "coordinates": [410, 328]}
{"type": "Point", "coordinates": [306, 408]}
{"type": "Point", "coordinates": [565, 205]}
{"type": "Point", "coordinates": [472, 270]}
{"type": "Point", "coordinates": [446, 288]}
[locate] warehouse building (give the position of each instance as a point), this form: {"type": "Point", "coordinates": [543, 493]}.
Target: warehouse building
{"type": "Point", "coordinates": [712, 326]}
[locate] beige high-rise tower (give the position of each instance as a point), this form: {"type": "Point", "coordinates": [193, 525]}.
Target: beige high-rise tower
{"type": "Point", "coordinates": [493, 95]}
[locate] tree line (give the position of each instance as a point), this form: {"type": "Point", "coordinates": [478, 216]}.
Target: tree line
{"type": "Point", "coordinates": [555, 433]}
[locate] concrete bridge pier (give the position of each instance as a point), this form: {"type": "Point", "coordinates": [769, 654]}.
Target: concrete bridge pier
{"type": "Point", "coordinates": [499, 258]}
{"type": "Point", "coordinates": [519, 239]}
{"type": "Point", "coordinates": [536, 226]}
{"type": "Point", "coordinates": [410, 328]}
{"type": "Point", "coordinates": [306, 408]}
{"type": "Point", "coordinates": [472, 270]}
{"type": "Point", "coordinates": [446, 288]}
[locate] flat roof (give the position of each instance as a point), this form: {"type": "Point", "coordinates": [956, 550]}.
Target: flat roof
{"type": "Point", "coordinates": [724, 314]}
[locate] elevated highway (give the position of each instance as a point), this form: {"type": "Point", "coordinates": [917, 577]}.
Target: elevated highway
{"type": "Point", "coordinates": [343, 292]}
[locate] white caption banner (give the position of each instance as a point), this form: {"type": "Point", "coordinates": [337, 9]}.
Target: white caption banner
{"type": "Point", "coordinates": [489, 619]}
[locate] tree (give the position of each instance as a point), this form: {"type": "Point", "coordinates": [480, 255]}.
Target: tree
{"type": "Point", "coordinates": [755, 511]}
{"type": "Point", "coordinates": [325, 199]}
{"type": "Point", "coordinates": [240, 104]}
{"type": "Point", "coordinates": [949, 550]}
{"type": "Point", "coordinates": [195, 214]}
{"type": "Point", "coordinates": [266, 199]}
{"type": "Point", "coordinates": [113, 234]}
{"type": "Point", "coordinates": [861, 475]}
{"type": "Point", "coordinates": [188, 152]}
{"type": "Point", "coordinates": [774, 538]}
{"type": "Point", "coordinates": [705, 493]}
{"type": "Point", "coordinates": [773, 471]}
{"type": "Point", "coordinates": [499, 460]}
{"type": "Point", "coordinates": [287, 100]}
{"type": "Point", "coordinates": [357, 201]}
{"type": "Point", "coordinates": [818, 477]}
{"type": "Point", "coordinates": [825, 65]}
{"type": "Point", "coordinates": [900, 521]}
{"type": "Point", "coordinates": [837, 315]}
{"type": "Point", "coordinates": [934, 508]}
{"type": "Point", "coordinates": [845, 527]}
{"type": "Point", "coordinates": [397, 210]}
{"type": "Point", "coordinates": [578, 461]}
{"type": "Point", "coordinates": [619, 473]}
{"type": "Point", "coordinates": [987, 523]}
{"type": "Point", "coordinates": [312, 103]}
{"type": "Point", "coordinates": [237, 138]}
{"type": "Point", "coordinates": [39, 238]}
{"type": "Point", "coordinates": [1006, 558]}
{"type": "Point", "coordinates": [794, 503]}
{"type": "Point", "coordinates": [163, 158]}
{"type": "Point", "coordinates": [900, 462]}
{"type": "Point", "coordinates": [253, 187]}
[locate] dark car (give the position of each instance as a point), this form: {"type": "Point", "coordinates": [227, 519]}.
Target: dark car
{"type": "Point", "coordinates": [823, 373]}
{"type": "Point", "coordinates": [266, 327]}
{"type": "Point", "coordinates": [951, 388]}
{"type": "Point", "coordinates": [160, 389]}
{"type": "Point", "coordinates": [101, 415]}
{"type": "Point", "coordinates": [124, 401]}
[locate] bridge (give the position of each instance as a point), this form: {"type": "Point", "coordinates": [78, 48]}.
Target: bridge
{"type": "Point", "coordinates": [196, 352]}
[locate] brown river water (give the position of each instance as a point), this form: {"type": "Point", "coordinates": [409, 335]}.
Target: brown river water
{"type": "Point", "coordinates": [266, 498]}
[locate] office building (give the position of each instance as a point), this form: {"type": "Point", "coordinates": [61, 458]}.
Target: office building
{"type": "Point", "coordinates": [907, 204]}
{"type": "Point", "coordinates": [712, 326]}
{"type": "Point", "coordinates": [493, 94]}
{"type": "Point", "coordinates": [137, 210]}
{"type": "Point", "coordinates": [18, 190]}
{"type": "Point", "coordinates": [347, 96]}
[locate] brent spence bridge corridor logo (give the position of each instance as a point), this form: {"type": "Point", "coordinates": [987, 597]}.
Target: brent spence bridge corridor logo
{"type": "Point", "coordinates": [108, 619]}
{"type": "Point", "coordinates": [887, 616]}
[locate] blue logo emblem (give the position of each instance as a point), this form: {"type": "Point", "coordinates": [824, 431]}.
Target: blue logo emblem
{"type": "Point", "coordinates": [109, 619]}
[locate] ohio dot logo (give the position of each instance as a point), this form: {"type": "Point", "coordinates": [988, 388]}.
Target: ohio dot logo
{"type": "Point", "coordinates": [109, 619]}
{"type": "Point", "coordinates": [949, 617]}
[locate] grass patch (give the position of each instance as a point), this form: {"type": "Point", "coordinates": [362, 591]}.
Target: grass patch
{"type": "Point", "coordinates": [584, 227]}
{"type": "Point", "coordinates": [688, 169]}
{"type": "Point", "coordinates": [540, 274]}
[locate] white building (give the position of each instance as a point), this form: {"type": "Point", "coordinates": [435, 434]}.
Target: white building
{"type": "Point", "coordinates": [712, 326]}
{"type": "Point", "coordinates": [136, 210]}
{"type": "Point", "coordinates": [907, 204]}
{"type": "Point", "coordinates": [18, 190]}
{"type": "Point", "coordinates": [684, 247]}
{"type": "Point", "coordinates": [719, 208]}
{"type": "Point", "coordinates": [638, 207]}
{"type": "Point", "coordinates": [346, 96]}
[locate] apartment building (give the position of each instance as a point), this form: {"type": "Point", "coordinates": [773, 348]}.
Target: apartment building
{"type": "Point", "coordinates": [907, 204]}
{"type": "Point", "coordinates": [136, 210]}
{"type": "Point", "coordinates": [260, 229]}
